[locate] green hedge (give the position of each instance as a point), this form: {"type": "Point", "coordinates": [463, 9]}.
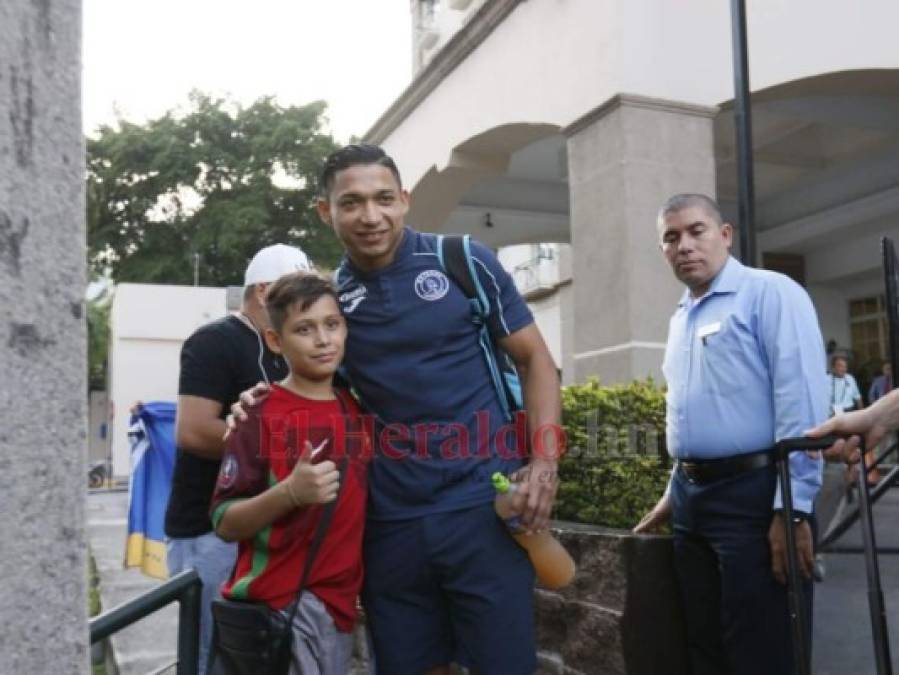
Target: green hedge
{"type": "Point", "coordinates": [616, 466]}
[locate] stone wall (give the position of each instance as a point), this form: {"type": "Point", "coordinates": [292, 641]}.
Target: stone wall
{"type": "Point", "coordinates": [622, 614]}
{"type": "Point", "coordinates": [43, 372]}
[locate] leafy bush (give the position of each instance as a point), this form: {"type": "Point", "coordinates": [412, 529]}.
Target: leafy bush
{"type": "Point", "coordinates": [616, 466]}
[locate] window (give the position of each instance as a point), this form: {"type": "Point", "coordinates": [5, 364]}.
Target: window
{"type": "Point", "coordinates": [868, 328]}
{"type": "Point", "coordinates": [544, 251]}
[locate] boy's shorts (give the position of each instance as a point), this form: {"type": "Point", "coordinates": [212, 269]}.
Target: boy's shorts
{"type": "Point", "coordinates": [449, 587]}
{"type": "Point", "coordinates": [318, 647]}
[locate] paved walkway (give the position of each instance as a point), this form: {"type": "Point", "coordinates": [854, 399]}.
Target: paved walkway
{"type": "Point", "coordinates": [149, 645]}
{"type": "Point", "coordinates": [842, 625]}
{"type": "Point", "coordinates": [842, 628]}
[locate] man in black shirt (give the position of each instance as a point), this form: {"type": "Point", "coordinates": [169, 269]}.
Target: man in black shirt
{"type": "Point", "coordinates": [218, 361]}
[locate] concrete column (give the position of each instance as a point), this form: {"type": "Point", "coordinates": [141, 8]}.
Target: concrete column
{"type": "Point", "coordinates": [43, 387]}
{"type": "Point", "coordinates": [624, 159]}
{"type": "Point", "coordinates": [566, 313]}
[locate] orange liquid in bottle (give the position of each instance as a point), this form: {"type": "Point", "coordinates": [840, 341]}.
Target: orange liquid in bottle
{"type": "Point", "coordinates": [554, 567]}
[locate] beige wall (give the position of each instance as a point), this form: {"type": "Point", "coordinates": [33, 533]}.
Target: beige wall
{"type": "Point", "coordinates": [548, 272]}
{"type": "Point", "coordinates": [546, 64]}
{"type": "Point", "coordinates": [579, 53]}
{"type": "Point", "coordinates": [148, 325]}
{"type": "Point", "coordinates": [548, 317]}
{"type": "Point", "coordinates": [625, 160]}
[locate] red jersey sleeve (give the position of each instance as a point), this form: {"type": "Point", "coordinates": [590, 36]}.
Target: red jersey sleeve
{"type": "Point", "coordinates": [245, 468]}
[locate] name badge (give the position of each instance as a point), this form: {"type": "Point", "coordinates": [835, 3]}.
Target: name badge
{"type": "Point", "coordinates": [708, 329]}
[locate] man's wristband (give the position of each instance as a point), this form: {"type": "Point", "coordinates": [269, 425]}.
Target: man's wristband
{"type": "Point", "coordinates": [798, 516]}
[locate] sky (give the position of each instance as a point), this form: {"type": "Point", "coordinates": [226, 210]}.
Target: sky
{"type": "Point", "coordinates": [143, 57]}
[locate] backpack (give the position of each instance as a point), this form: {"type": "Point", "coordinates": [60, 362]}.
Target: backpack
{"type": "Point", "coordinates": [454, 253]}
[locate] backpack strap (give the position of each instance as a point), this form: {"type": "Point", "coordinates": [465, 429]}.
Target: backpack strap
{"type": "Point", "coordinates": [453, 257]}
{"type": "Point", "coordinates": [327, 516]}
{"type": "Point", "coordinates": [454, 252]}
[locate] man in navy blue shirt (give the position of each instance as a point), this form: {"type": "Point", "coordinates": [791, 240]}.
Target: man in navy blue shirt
{"type": "Point", "coordinates": [882, 384]}
{"type": "Point", "coordinates": [744, 365]}
{"type": "Point", "coordinates": [444, 581]}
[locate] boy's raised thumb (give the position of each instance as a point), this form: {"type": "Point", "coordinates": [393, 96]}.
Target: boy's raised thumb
{"type": "Point", "coordinates": [306, 454]}
{"type": "Point", "coordinates": [309, 453]}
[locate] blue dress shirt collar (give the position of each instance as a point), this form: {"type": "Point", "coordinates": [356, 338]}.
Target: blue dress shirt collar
{"type": "Point", "coordinates": [727, 281]}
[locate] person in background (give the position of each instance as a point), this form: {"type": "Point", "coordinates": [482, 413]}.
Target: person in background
{"type": "Point", "coordinates": [844, 393]}
{"type": "Point", "coordinates": [218, 361]}
{"type": "Point", "coordinates": [882, 384]}
{"type": "Point", "coordinates": [845, 397]}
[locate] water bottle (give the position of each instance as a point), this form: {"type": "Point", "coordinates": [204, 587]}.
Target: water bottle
{"type": "Point", "coordinates": [554, 567]}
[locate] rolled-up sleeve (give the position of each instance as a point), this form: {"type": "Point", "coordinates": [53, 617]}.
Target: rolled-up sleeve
{"type": "Point", "coordinates": [794, 348]}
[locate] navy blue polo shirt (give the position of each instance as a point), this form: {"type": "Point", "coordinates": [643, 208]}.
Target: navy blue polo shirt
{"type": "Point", "coordinates": [414, 359]}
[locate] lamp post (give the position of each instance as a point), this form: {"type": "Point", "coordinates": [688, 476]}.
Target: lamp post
{"type": "Point", "coordinates": [743, 128]}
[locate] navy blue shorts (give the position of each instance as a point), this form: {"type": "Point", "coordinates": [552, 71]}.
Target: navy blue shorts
{"type": "Point", "coordinates": [449, 587]}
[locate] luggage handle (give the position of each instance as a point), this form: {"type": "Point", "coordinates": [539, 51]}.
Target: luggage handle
{"type": "Point", "coordinates": [876, 607]}
{"type": "Point", "coordinates": [787, 445]}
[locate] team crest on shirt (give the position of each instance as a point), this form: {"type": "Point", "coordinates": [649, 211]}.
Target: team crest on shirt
{"type": "Point", "coordinates": [431, 285]}
{"type": "Point", "coordinates": [350, 300]}
{"type": "Point", "coordinates": [228, 472]}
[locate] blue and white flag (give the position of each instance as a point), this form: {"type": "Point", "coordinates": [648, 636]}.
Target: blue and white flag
{"type": "Point", "coordinates": [152, 436]}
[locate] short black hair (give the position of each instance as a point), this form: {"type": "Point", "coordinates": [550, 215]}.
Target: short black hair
{"type": "Point", "coordinates": [688, 200]}
{"type": "Point", "coordinates": [303, 288]}
{"type": "Point", "coordinates": [354, 155]}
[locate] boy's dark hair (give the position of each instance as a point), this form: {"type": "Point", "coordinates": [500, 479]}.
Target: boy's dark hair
{"type": "Point", "coordinates": [300, 288]}
{"type": "Point", "coordinates": [353, 155]}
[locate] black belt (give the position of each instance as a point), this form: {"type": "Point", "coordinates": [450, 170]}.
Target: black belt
{"type": "Point", "coordinates": [710, 470]}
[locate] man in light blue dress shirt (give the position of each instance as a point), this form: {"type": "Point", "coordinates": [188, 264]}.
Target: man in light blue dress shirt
{"type": "Point", "coordinates": [844, 393]}
{"type": "Point", "coordinates": [745, 367]}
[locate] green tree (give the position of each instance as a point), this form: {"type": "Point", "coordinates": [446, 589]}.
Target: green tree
{"type": "Point", "coordinates": [98, 340]}
{"type": "Point", "coordinates": [219, 181]}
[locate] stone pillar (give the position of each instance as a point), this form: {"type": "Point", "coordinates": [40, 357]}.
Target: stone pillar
{"type": "Point", "coordinates": [566, 313]}
{"type": "Point", "coordinates": [43, 387]}
{"type": "Point", "coordinates": [624, 159]}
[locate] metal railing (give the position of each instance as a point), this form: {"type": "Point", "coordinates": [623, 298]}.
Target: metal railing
{"type": "Point", "coordinates": [837, 529]}
{"type": "Point", "coordinates": [185, 588]}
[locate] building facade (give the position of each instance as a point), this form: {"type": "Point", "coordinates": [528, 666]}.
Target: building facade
{"type": "Point", "coordinates": [148, 325]}
{"type": "Point", "coordinates": [558, 127]}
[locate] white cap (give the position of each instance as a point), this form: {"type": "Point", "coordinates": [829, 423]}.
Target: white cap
{"type": "Point", "coordinates": [273, 262]}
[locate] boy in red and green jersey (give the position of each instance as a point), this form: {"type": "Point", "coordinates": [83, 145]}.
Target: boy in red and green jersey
{"type": "Point", "coordinates": [280, 469]}
{"type": "Point", "coordinates": [259, 457]}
